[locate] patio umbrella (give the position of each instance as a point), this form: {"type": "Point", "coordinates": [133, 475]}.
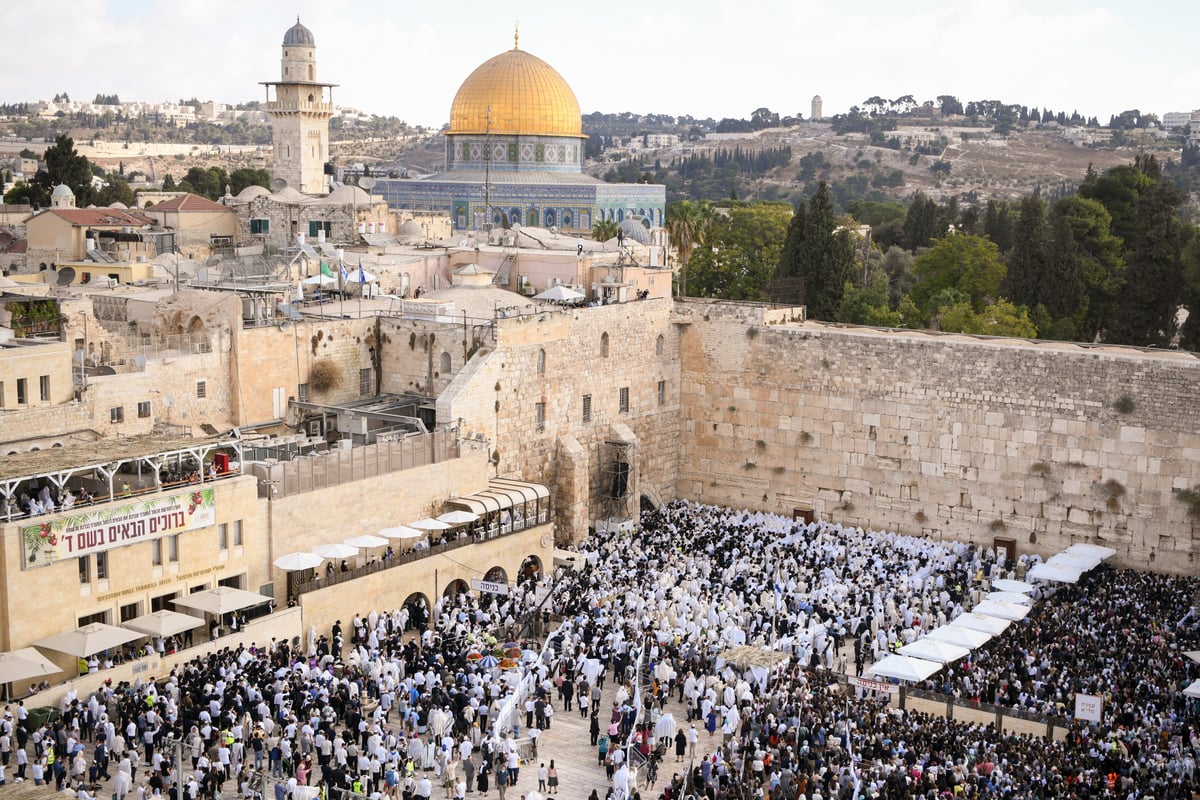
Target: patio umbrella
{"type": "Point", "coordinates": [359, 275]}
{"type": "Point", "coordinates": [1095, 550]}
{"type": "Point", "coordinates": [366, 540]}
{"type": "Point", "coordinates": [1193, 689]}
{"type": "Point", "coordinates": [335, 550]}
{"type": "Point", "coordinates": [89, 639]}
{"type": "Point", "coordinates": [933, 650]}
{"type": "Point", "coordinates": [904, 668]}
{"type": "Point", "coordinates": [428, 524]}
{"type": "Point", "coordinates": [320, 280]}
{"type": "Point", "coordinates": [963, 637]}
{"type": "Point", "coordinates": [221, 600]}
{"type": "Point", "coordinates": [402, 532]}
{"type": "Point", "coordinates": [457, 517]}
{"type": "Point", "coordinates": [1010, 597]}
{"type": "Point", "coordinates": [559, 293]}
{"type": "Point", "coordinates": [1001, 609]}
{"type": "Point", "coordinates": [1056, 573]}
{"type": "Point", "coordinates": [981, 622]}
{"type": "Point", "coordinates": [163, 623]}
{"type": "Point", "coordinates": [1010, 585]}
{"type": "Point", "coordinates": [20, 665]}
{"type": "Point", "coordinates": [298, 562]}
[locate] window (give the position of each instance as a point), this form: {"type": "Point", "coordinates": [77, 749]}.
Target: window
{"type": "Point", "coordinates": [131, 611]}
{"type": "Point", "coordinates": [316, 225]}
{"type": "Point", "coordinates": [144, 409]}
{"type": "Point", "coordinates": [1, 394]}
{"type": "Point", "coordinates": [173, 548]}
{"type": "Point", "coordinates": [85, 569]}
{"type": "Point", "coordinates": [541, 362]}
{"type": "Point", "coordinates": [156, 553]}
{"type": "Point", "coordinates": [116, 415]}
{"type": "Point", "coordinates": [658, 345]}
{"type": "Point", "coordinates": [22, 391]}
{"type": "Point", "coordinates": [364, 382]}
{"type": "Point", "coordinates": [302, 393]}
{"type": "Point", "coordinates": [260, 226]}
{"type": "Point", "coordinates": [604, 345]}
{"type": "Point", "coordinates": [99, 616]}
{"type": "Point", "coordinates": [44, 387]}
{"type": "Point", "coordinates": [587, 408]}
{"type": "Point", "coordinates": [447, 364]}
{"type": "Point", "coordinates": [101, 566]}
{"type": "Point", "coordinates": [662, 393]}
{"type": "Point", "coordinates": [222, 536]}
{"type": "Point", "coordinates": [539, 415]}
{"type": "Point", "coordinates": [237, 533]}
{"type": "Point", "coordinates": [624, 401]}
{"type": "Point", "coordinates": [201, 390]}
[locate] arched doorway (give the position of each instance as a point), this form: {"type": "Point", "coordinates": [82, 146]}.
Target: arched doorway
{"type": "Point", "coordinates": [414, 614]}
{"type": "Point", "coordinates": [496, 575]}
{"type": "Point", "coordinates": [455, 587]}
{"type": "Point", "coordinates": [531, 568]}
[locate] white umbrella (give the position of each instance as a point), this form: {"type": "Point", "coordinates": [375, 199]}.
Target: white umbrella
{"type": "Point", "coordinates": [402, 532]}
{"type": "Point", "coordinates": [1193, 689]}
{"type": "Point", "coordinates": [298, 562]}
{"type": "Point", "coordinates": [933, 650]}
{"type": "Point", "coordinates": [366, 540]}
{"type": "Point", "coordinates": [1056, 573]}
{"type": "Point", "coordinates": [904, 668]}
{"type": "Point", "coordinates": [336, 550]}
{"type": "Point", "coordinates": [1001, 609]}
{"type": "Point", "coordinates": [89, 639]}
{"type": "Point", "coordinates": [359, 276]}
{"type": "Point", "coordinates": [981, 622]}
{"type": "Point", "coordinates": [559, 293]}
{"type": "Point", "coordinates": [963, 637]}
{"type": "Point", "coordinates": [163, 623]}
{"type": "Point", "coordinates": [1010, 585]}
{"type": "Point", "coordinates": [428, 524]}
{"type": "Point", "coordinates": [221, 600]}
{"type": "Point", "coordinates": [1097, 550]}
{"type": "Point", "coordinates": [458, 518]}
{"type": "Point", "coordinates": [320, 280]}
{"type": "Point", "coordinates": [1079, 561]}
{"type": "Point", "coordinates": [1010, 597]}
{"type": "Point", "coordinates": [20, 665]}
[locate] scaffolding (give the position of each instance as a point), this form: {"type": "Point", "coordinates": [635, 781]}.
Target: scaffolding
{"type": "Point", "coordinates": [616, 480]}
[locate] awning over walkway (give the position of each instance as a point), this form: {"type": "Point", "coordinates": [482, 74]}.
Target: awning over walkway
{"type": "Point", "coordinates": [502, 493]}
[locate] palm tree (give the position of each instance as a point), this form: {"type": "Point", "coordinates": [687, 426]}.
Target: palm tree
{"type": "Point", "coordinates": [688, 225]}
{"type": "Point", "coordinates": [604, 230]}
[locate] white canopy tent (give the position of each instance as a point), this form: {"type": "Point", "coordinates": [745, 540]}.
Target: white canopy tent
{"type": "Point", "coordinates": [904, 668]}
{"type": "Point", "coordinates": [934, 650]}
{"type": "Point", "coordinates": [981, 622]}
{"type": "Point", "coordinates": [1001, 609]}
{"type": "Point", "coordinates": [1094, 550]}
{"type": "Point", "coordinates": [959, 635]}
{"type": "Point", "coordinates": [1056, 573]}
{"type": "Point", "coordinates": [1010, 585]}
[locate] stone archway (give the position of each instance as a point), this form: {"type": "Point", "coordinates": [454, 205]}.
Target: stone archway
{"type": "Point", "coordinates": [531, 568]}
{"type": "Point", "coordinates": [496, 574]}
{"type": "Point", "coordinates": [417, 606]}
{"type": "Point", "coordinates": [455, 587]}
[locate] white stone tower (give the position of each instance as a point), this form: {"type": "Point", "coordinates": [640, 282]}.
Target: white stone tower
{"type": "Point", "coordinates": [816, 108]}
{"type": "Point", "coordinates": [300, 116]}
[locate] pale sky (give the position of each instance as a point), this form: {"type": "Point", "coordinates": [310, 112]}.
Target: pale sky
{"type": "Point", "coordinates": [707, 58]}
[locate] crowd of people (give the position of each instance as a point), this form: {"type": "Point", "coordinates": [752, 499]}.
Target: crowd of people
{"type": "Point", "coordinates": [399, 703]}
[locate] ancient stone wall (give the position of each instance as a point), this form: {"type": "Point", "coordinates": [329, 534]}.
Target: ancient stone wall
{"type": "Point", "coordinates": [1047, 444]}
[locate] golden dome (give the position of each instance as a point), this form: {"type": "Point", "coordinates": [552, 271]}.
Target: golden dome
{"type": "Point", "coordinates": [526, 96]}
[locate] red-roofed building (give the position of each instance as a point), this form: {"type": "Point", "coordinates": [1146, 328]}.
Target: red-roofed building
{"type": "Point", "coordinates": [199, 223]}
{"type": "Point", "coordinates": [100, 235]}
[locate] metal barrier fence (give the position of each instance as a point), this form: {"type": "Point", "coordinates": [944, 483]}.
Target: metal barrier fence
{"type": "Point", "coordinates": [335, 467]}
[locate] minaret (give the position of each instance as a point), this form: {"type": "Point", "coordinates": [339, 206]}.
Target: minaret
{"type": "Point", "coordinates": [815, 116]}
{"type": "Point", "coordinates": [300, 116]}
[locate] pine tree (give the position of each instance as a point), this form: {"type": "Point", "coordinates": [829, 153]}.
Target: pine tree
{"type": "Point", "coordinates": [1027, 261]}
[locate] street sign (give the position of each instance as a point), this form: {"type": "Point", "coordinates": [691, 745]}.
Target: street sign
{"type": "Point", "coordinates": [490, 587]}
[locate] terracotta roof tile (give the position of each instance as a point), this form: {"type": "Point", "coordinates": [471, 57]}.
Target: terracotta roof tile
{"type": "Point", "coordinates": [188, 202]}
{"type": "Point", "coordinates": [99, 216]}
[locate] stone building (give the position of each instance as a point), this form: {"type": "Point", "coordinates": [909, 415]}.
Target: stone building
{"type": "Point", "coordinates": [300, 114]}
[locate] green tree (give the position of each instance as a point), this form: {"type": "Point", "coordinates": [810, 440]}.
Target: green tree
{"type": "Point", "coordinates": [604, 230]}
{"type": "Point", "coordinates": [865, 305]}
{"type": "Point", "coordinates": [740, 253]}
{"type": "Point", "coordinates": [1027, 260]}
{"type": "Point", "coordinates": [969, 264]}
{"type": "Point", "coordinates": [241, 178]}
{"type": "Point", "coordinates": [208, 183]}
{"type": "Point", "coordinates": [820, 254]}
{"type": "Point", "coordinates": [1118, 191]}
{"type": "Point", "coordinates": [921, 225]}
{"type": "Point", "coordinates": [688, 225]}
{"type": "Point", "coordinates": [117, 191]}
{"type": "Point", "coordinates": [1000, 318]}
{"type": "Point", "coordinates": [63, 165]}
{"type": "Point", "coordinates": [1153, 288]}
{"type": "Point", "coordinates": [997, 225]}
{"type": "Point", "coordinates": [168, 184]}
{"type": "Point", "coordinates": [1101, 260]}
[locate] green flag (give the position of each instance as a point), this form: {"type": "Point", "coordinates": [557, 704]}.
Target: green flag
{"type": "Point", "coordinates": [325, 270]}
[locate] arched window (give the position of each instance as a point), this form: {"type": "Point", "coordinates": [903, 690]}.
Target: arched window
{"type": "Point", "coordinates": [604, 345]}
{"type": "Point", "coordinates": [541, 362]}
{"type": "Point", "coordinates": [446, 363]}
{"type": "Point", "coordinates": [311, 73]}
{"type": "Point", "coordinates": [658, 346]}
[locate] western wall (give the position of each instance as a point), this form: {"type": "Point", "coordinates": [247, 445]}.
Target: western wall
{"type": "Point", "coordinates": [951, 436]}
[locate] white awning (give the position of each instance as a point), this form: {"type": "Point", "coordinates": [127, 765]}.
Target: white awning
{"type": "Point", "coordinates": [532, 491]}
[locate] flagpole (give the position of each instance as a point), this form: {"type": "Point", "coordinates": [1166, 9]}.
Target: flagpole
{"type": "Point", "coordinates": [362, 286]}
{"type": "Point", "coordinates": [342, 285]}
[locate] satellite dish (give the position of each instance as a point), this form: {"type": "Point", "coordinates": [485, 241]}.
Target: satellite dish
{"type": "Point", "coordinates": [213, 261]}
{"type": "Point", "coordinates": [168, 401]}
{"type": "Point", "coordinates": [366, 183]}
{"type": "Point", "coordinates": [66, 276]}
{"type": "Point", "coordinates": [80, 356]}
{"type": "Point", "coordinates": [140, 360]}
{"type": "Point", "coordinates": [277, 184]}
